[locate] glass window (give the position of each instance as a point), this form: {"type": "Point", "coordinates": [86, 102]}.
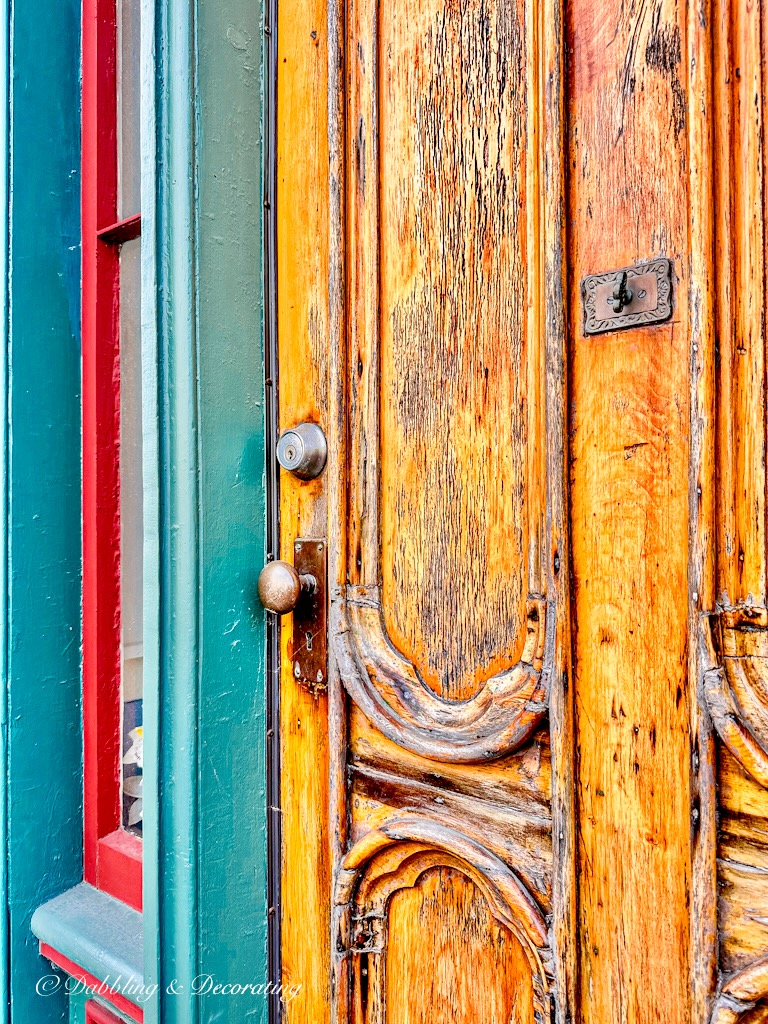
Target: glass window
{"type": "Point", "coordinates": [113, 522]}
{"type": "Point", "coordinates": [131, 531]}
{"type": "Point", "coordinates": [128, 108]}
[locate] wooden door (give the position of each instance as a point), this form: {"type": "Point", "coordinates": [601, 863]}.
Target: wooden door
{"type": "Point", "coordinates": [547, 675]}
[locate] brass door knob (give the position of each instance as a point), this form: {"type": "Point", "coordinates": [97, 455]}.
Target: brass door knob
{"type": "Point", "coordinates": [281, 587]}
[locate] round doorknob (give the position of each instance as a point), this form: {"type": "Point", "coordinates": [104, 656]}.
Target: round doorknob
{"type": "Point", "coordinates": [280, 587]}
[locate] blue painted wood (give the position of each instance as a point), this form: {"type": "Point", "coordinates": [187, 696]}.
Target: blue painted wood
{"type": "Point", "coordinates": [231, 429]}
{"type": "Point", "coordinates": [5, 939]}
{"type": "Point", "coordinates": [205, 805]}
{"type": "Point", "coordinates": [77, 1009]}
{"type": "Point", "coordinates": [96, 932]}
{"type": "Point", "coordinates": [40, 562]}
{"type": "Point", "coordinates": [171, 592]}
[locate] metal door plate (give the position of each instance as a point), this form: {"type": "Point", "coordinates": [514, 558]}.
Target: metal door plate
{"type": "Point", "coordinates": [309, 646]}
{"type": "Point", "coordinates": [651, 287]}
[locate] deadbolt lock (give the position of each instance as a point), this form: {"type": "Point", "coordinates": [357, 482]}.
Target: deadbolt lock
{"type": "Point", "coordinates": [303, 451]}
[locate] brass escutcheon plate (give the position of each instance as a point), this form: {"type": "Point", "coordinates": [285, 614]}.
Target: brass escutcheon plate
{"type": "Point", "coordinates": [309, 647]}
{"type": "Point", "coordinates": [651, 287]}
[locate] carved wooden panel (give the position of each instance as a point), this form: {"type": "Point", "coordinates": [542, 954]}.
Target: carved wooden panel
{"type": "Point", "coordinates": [427, 977]}
{"type": "Point", "coordinates": [508, 803]}
{"type": "Point", "coordinates": [736, 684]}
{"type": "Point", "coordinates": [441, 620]}
{"type": "Point", "coordinates": [397, 856]}
{"type": "Point", "coordinates": [575, 823]}
{"type": "Point", "coordinates": [446, 513]}
{"type": "Point", "coordinates": [460, 357]}
{"type": "Point", "coordinates": [447, 621]}
{"type": "Point", "coordinates": [734, 636]}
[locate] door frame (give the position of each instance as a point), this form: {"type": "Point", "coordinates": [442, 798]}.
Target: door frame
{"type": "Point", "coordinates": [205, 509]}
{"type": "Point", "coordinates": [272, 498]}
{"type": "Point", "coordinates": [40, 815]}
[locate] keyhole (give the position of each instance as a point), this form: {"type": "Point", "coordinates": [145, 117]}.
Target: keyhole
{"type": "Point", "coordinates": [622, 296]}
{"type": "Point", "coordinates": [290, 453]}
{"type": "Point", "coordinates": [309, 641]}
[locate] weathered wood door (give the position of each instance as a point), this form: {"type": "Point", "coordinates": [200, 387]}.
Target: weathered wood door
{"type": "Point", "coordinates": [547, 676]}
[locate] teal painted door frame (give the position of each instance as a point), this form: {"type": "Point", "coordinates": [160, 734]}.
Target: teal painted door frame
{"type": "Point", "coordinates": [205, 871]}
{"type": "Point", "coordinates": [41, 783]}
{"type": "Point", "coordinates": [205, 901]}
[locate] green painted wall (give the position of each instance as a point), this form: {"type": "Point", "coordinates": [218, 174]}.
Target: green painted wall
{"type": "Point", "coordinates": [205, 807]}
{"type": "Point", "coordinates": [40, 608]}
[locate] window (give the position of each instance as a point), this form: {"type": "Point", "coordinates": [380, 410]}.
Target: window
{"type": "Point", "coordinates": [112, 448]}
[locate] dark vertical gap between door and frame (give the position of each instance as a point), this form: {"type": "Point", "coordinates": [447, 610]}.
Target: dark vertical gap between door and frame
{"type": "Point", "coordinates": [273, 505]}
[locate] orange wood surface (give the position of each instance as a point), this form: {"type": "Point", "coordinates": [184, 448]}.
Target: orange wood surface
{"type": "Point", "coordinates": [628, 201]}
{"type": "Point", "coordinates": [736, 681]}
{"type": "Point", "coordinates": [451, 934]}
{"type": "Point", "coordinates": [739, 125]}
{"type": "Point", "coordinates": [548, 640]}
{"type": "Point", "coordinates": [302, 254]}
{"type": "Point", "coordinates": [459, 420]}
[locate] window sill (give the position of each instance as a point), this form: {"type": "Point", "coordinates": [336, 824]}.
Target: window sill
{"type": "Point", "coordinates": [90, 935]}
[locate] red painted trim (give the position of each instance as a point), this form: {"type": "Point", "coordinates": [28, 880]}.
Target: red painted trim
{"type": "Point", "coordinates": [95, 1013]}
{"type": "Point", "coordinates": [73, 970]}
{"type": "Point", "coordinates": [122, 230]}
{"type": "Point", "coordinates": [101, 496]}
{"type": "Point", "coordinates": [101, 469]}
{"type": "Point", "coordinates": [118, 867]}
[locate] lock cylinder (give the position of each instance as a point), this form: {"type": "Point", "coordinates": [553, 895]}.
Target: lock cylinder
{"type": "Point", "coordinates": [303, 451]}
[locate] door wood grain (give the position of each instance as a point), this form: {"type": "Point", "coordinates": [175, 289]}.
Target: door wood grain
{"type": "Point", "coordinates": [535, 787]}
{"type": "Point", "coordinates": [642, 749]}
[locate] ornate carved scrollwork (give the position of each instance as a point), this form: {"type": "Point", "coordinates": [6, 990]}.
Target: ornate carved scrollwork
{"type": "Point", "coordinates": [394, 857]}
{"type": "Point", "coordinates": [390, 692]}
{"type": "Point", "coordinates": [741, 993]}
{"type": "Point", "coordinates": [735, 664]}
{"type": "Point", "coordinates": [735, 673]}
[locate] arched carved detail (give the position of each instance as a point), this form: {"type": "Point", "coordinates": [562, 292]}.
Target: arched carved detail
{"type": "Point", "coordinates": [741, 993]}
{"type": "Point", "coordinates": [735, 671]}
{"type": "Point", "coordinates": [389, 691]}
{"type": "Point", "coordinates": [394, 857]}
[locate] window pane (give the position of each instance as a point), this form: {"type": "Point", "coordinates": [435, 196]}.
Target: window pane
{"type": "Point", "coordinates": [131, 530]}
{"type": "Point", "coordinates": [128, 102]}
